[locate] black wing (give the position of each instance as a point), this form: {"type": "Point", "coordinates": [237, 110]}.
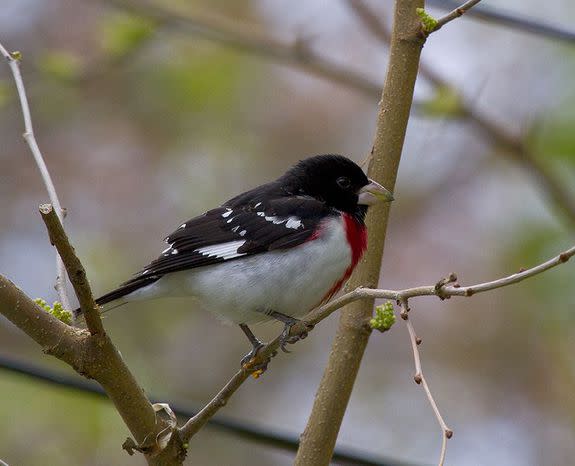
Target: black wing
{"type": "Point", "coordinates": [239, 228]}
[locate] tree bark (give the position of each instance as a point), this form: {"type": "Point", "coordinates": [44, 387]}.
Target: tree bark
{"type": "Point", "coordinates": [318, 440]}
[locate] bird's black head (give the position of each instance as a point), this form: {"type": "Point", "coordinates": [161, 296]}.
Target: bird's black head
{"type": "Point", "coordinates": [337, 181]}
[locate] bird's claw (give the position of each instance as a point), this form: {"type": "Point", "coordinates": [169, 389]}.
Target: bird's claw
{"type": "Point", "coordinates": [250, 357]}
{"type": "Point", "coordinates": [248, 362]}
{"type": "Point", "coordinates": [286, 338]}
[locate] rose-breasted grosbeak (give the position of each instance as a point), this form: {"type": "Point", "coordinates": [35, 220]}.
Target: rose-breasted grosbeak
{"type": "Point", "coordinates": [274, 252]}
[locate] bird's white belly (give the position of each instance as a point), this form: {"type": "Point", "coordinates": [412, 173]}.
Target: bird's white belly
{"type": "Point", "coordinates": [289, 281]}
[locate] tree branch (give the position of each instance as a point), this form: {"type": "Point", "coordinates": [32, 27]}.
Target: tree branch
{"type": "Point", "coordinates": [75, 270]}
{"type": "Point", "coordinates": [335, 388]}
{"type": "Point", "coordinates": [85, 353]}
{"type": "Point", "coordinates": [14, 63]}
{"type": "Point", "coordinates": [419, 378]}
{"type": "Point", "coordinates": [444, 289]}
{"type": "Point", "coordinates": [247, 38]}
{"type": "Point", "coordinates": [455, 13]}
{"type": "Point", "coordinates": [93, 356]}
{"type": "Point", "coordinates": [242, 37]}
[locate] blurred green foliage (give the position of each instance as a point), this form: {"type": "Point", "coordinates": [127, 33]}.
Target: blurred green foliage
{"type": "Point", "coordinates": [547, 297]}
{"type": "Point", "coordinates": [60, 65]}
{"type": "Point", "coordinates": [122, 33]}
{"type": "Point", "coordinates": [445, 103]}
{"type": "Point", "coordinates": [194, 82]}
{"type": "Point", "coordinates": [86, 424]}
{"type": "Point", "coordinates": [6, 91]}
{"type": "Point", "coordinates": [555, 136]}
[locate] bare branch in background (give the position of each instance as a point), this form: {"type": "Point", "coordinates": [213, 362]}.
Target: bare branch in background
{"type": "Point", "coordinates": [246, 38]}
{"type": "Point", "coordinates": [511, 20]}
{"type": "Point", "coordinates": [278, 439]}
{"type": "Point", "coordinates": [249, 39]}
{"type": "Point", "coordinates": [419, 378]}
{"type": "Point", "coordinates": [513, 146]}
{"type": "Point", "coordinates": [14, 63]}
{"type": "Point", "coordinates": [455, 13]}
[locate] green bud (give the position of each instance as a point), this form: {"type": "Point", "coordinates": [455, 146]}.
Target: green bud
{"type": "Point", "coordinates": [16, 55]}
{"type": "Point", "coordinates": [384, 317]}
{"type": "Point", "coordinates": [428, 22]}
{"type": "Point", "coordinates": [56, 310]}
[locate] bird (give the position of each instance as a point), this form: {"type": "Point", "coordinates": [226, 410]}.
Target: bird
{"type": "Point", "coordinates": [274, 252]}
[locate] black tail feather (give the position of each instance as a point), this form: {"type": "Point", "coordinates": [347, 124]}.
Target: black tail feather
{"type": "Point", "coordinates": [120, 292]}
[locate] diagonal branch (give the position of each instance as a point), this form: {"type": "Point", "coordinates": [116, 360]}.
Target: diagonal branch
{"type": "Point", "coordinates": [74, 268]}
{"type": "Point", "coordinates": [455, 13]}
{"type": "Point", "coordinates": [93, 356]}
{"type": "Point", "coordinates": [444, 289]}
{"type": "Point", "coordinates": [194, 424]}
{"type": "Point", "coordinates": [14, 63]}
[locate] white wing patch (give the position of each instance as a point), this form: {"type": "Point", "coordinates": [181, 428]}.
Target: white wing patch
{"type": "Point", "coordinates": [227, 213]}
{"type": "Point", "coordinates": [293, 222]}
{"type": "Point", "coordinates": [170, 250]}
{"type": "Point", "coordinates": [290, 222]}
{"type": "Point", "coordinates": [224, 251]}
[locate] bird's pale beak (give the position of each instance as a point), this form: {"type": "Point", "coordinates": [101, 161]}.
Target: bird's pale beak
{"type": "Point", "coordinates": [373, 193]}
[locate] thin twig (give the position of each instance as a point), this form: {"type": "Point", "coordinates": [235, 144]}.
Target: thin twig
{"type": "Point", "coordinates": [74, 268]}
{"type": "Point", "coordinates": [419, 378]}
{"type": "Point", "coordinates": [456, 13]}
{"type": "Point", "coordinates": [14, 63]}
{"type": "Point", "coordinates": [444, 289]}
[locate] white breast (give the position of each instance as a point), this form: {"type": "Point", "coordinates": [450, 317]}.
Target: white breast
{"type": "Point", "coordinates": [289, 281]}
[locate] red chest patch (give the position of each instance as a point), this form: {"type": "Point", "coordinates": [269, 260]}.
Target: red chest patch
{"type": "Point", "coordinates": [356, 235]}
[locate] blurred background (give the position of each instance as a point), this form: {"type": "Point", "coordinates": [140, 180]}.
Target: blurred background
{"type": "Point", "coordinates": [146, 122]}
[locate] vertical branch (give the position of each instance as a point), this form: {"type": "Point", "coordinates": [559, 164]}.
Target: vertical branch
{"type": "Point", "coordinates": [14, 63]}
{"type": "Point", "coordinates": [319, 437]}
{"type": "Point", "coordinates": [419, 378]}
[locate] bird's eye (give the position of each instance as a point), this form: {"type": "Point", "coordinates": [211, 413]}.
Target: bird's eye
{"type": "Point", "coordinates": [343, 182]}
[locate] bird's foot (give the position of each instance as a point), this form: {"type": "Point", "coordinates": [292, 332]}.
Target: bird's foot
{"type": "Point", "coordinates": [251, 356]}
{"type": "Point", "coordinates": [248, 362]}
{"type": "Point", "coordinates": [286, 338]}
